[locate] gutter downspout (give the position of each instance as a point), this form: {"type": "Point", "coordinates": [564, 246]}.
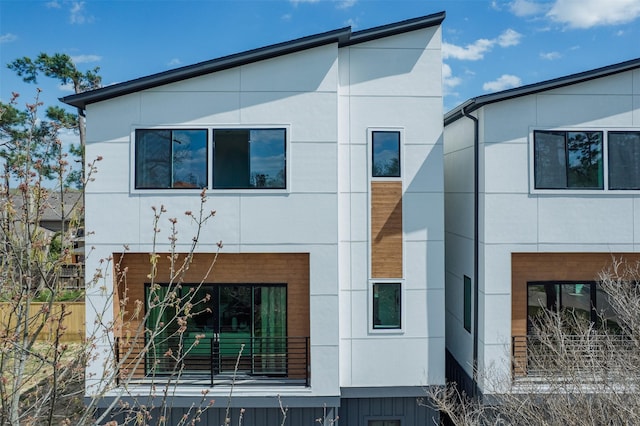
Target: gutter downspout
{"type": "Point", "coordinates": [476, 244]}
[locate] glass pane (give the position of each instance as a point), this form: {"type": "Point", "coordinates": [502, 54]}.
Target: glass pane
{"type": "Point", "coordinates": [550, 160]}
{"type": "Point", "coordinates": [467, 303]}
{"type": "Point", "coordinates": [576, 298]}
{"type": "Point", "coordinates": [267, 147]}
{"type": "Point", "coordinates": [386, 154]}
{"type": "Point", "coordinates": [624, 160]}
{"type": "Point", "coordinates": [386, 305]}
{"type": "Point", "coordinates": [231, 159]}
{"type": "Point", "coordinates": [271, 329]}
{"type": "Point", "coordinates": [246, 159]}
{"type": "Point", "coordinates": [235, 320]}
{"type": "Point", "coordinates": [189, 158]}
{"type": "Point", "coordinates": [153, 159]}
{"type": "Point", "coordinates": [607, 316]}
{"type": "Point", "coordinates": [584, 150]}
{"type": "Point", "coordinates": [161, 327]}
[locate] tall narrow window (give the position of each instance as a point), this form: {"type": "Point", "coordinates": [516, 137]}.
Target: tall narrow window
{"type": "Point", "coordinates": [386, 306]}
{"type": "Point", "coordinates": [467, 303]}
{"type": "Point", "coordinates": [386, 154]}
{"type": "Point", "coordinates": [170, 158]}
{"type": "Point", "coordinates": [249, 158]}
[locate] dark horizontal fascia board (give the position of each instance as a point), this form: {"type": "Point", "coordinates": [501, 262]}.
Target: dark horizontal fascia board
{"type": "Point", "coordinates": [81, 100]}
{"type": "Point", "coordinates": [342, 36]}
{"type": "Point", "coordinates": [475, 103]}
{"type": "Point", "coordinates": [395, 28]}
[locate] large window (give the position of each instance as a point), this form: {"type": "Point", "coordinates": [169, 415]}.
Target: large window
{"type": "Point", "coordinates": [586, 160]}
{"type": "Point", "coordinates": [387, 306]}
{"type": "Point", "coordinates": [226, 316]}
{"type": "Point", "coordinates": [170, 158]}
{"type": "Point", "coordinates": [249, 158]}
{"type": "Point", "coordinates": [566, 160]}
{"type": "Point", "coordinates": [582, 299]}
{"type": "Point", "coordinates": [386, 153]}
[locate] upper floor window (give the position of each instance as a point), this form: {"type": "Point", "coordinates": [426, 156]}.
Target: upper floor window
{"type": "Point", "coordinates": [249, 158]}
{"type": "Point", "coordinates": [587, 160]}
{"type": "Point", "coordinates": [568, 160]}
{"type": "Point", "coordinates": [385, 153]}
{"type": "Point", "coordinates": [170, 158]}
{"type": "Point", "coordinates": [624, 160]}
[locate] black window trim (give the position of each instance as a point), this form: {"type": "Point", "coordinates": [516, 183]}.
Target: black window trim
{"type": "Point", "coordinates": [606, 189]}
{"type": "Point", "coordinates": [133, 189]}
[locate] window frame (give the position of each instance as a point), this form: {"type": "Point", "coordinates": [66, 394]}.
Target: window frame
{"type": "Point", "coordinates": [370, 308]}
{"type": "Point", "coordinates": [401, 144]}
{"type": "Point", "coordinates": [369, 419]}
{"type": "Point", "coordinates": [605, 161]}
{"type": "Point", "coordinates": [210, 159]}
{"type": "Point", "coordinates": [134, 156]}
{"type": "Point", "coordinates": [467, 303]}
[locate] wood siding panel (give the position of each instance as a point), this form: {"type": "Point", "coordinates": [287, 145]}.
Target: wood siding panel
{"type": "Point", "coordinates": [229, 268]}
{"type": "Point", "coordinates": [386, 229]}
{"type": "Point", "coordinates": [526, 267]}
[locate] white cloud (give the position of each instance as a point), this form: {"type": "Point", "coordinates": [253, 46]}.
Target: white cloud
{"type": "Point", "coordinates": [526, 8]}
{"type": "Point", "coordinates": [8, 38]}
{"type": "Point", "coordinates": [78, 14]}
{"type": "Point", "coordinates": [509, 38]}
{"type": "Point", "coordinates": [592, 13]}
{"type": "Point", "coordinates": [505, 81]}
{"type": "Point", "coordinates": [346, 4]}
{"type": "Point", "coordinates": [476, 50]}
{"type": "Point", "coordinates": [550, 56]}
{"type": "Point", "coordinates": [83, 59]}
{"type": "Point", "coordinates": [448, 80]}
{"type": "Point", "coordinates": [353, 23]}
{"type": "Point", "coordinates": [174, 62]}
{"type": "Point", "coordinates": [68, 87]}
{"type": "Point", "coordinates": [296, 2]}
{"type": "Point", "coordinates": [286, 17]}
{"type": "Point", "coordinates": [53, 5]}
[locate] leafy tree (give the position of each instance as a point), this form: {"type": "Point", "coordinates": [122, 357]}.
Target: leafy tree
{"type": "Point", "coordinates": [61, 67]}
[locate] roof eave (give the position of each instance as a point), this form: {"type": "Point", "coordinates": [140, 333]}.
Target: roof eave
{"type": "Point", "coordinates": [81, 100]}
{"type": "Point", "coordinates": [530, 89]}
{"type": "Point", "coordinates": [342, 36]}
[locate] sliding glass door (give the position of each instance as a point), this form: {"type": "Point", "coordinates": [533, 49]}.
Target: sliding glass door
{"type": "Point", "coordinates": [230, 323]}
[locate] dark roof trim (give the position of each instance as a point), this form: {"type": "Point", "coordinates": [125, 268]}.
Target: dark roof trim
{"type": "Point", "coordinates": [342, 36]}
{"type": "Point", "coordinates": [530, 89]}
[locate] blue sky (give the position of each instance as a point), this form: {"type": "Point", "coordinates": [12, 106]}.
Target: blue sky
{"type": "Point", "coordinates": [488, 45]}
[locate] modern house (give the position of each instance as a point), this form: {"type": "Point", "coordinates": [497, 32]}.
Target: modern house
{"type": "Point", "coordinates": [542, 191]}
{"type": "Point", "coordinates": [323, 159]}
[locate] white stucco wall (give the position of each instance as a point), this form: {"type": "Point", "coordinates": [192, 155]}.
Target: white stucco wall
{"type": "Point", "coordinates": [516, 218]}
{"type": "Point", "coordinates": [392, 83]}
{"type": "Point", "coordinates": [327, 98]}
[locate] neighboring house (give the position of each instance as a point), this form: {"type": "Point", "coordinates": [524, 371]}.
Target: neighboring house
{"type": "Point", "coordinates": [323, 159]}
{"type": "Point", "coordinates": [542, 191]}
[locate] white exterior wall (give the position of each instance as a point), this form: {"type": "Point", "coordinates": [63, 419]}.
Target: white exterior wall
{"type": "Point", "coordinates": [297, 91]}
{"type": "Point", "coordinates": [327, 98]}
{"type": "Point", "coordinates": [459, 208]}
{"type": "Point", "coordinates": [516, 218]}
{"type": "Point", "coordinates": [392, 83]}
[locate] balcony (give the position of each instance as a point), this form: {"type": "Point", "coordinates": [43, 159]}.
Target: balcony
{"type": "Point", "coordinates": [214, 361]}
{"type": "Point", "coordinates": [591, 356]}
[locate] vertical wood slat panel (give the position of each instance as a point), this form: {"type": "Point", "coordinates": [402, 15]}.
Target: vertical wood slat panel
{"type": "Point", "coordinates": [386, 229]}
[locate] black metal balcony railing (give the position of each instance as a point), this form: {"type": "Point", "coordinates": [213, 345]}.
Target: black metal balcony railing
{"type": "Point", "coordinates": [533, 356]}
{"type": "Point", "coordinates": [215, 360]}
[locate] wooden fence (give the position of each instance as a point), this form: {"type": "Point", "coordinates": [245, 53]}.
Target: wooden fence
{"type": "Point", "coordinates": [73, 322]}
